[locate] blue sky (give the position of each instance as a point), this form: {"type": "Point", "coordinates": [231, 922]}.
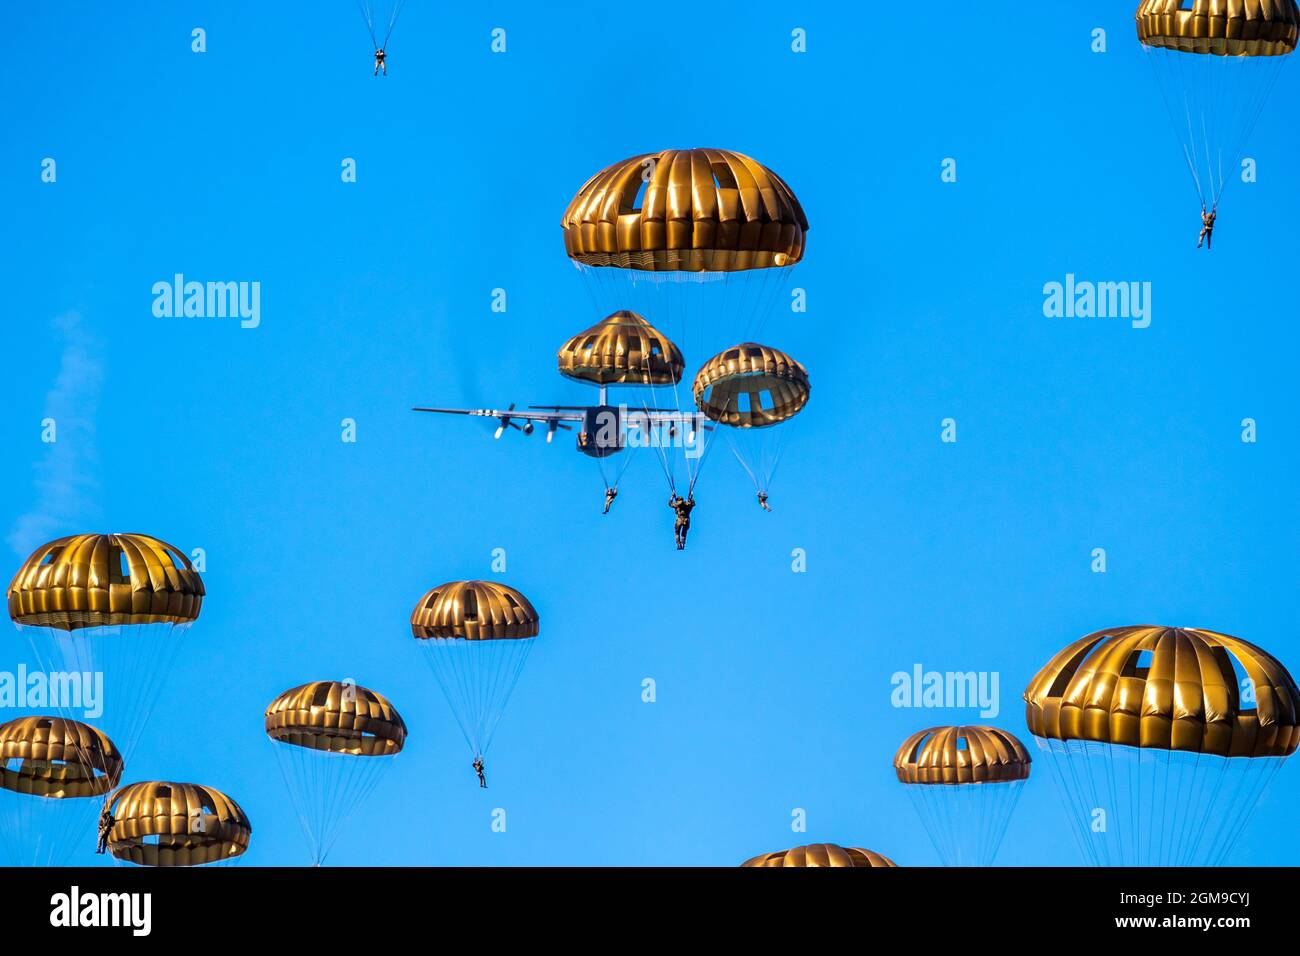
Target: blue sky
{"type": "Point", "coordinates": [925, 302]}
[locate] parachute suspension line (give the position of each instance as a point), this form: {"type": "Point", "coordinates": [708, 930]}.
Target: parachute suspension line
{"type": "Point", "coordinates": [477, 677]}
{"type": "Point", "coordinates": [700, 436]}
{"type": "Point", "coordinates": [1155, 807]}
{"type": "Point", "coordinates": [966, 822]}
{"type": "Point", "coordinates": [626, 454]}
{"type": "Point", "coordinates": [326, 788]}
{"type": "Point", "coordinates": [298, 791]}
{"type": "Point", "coordinates": [654, 438]}
{"type": "Point", "coordinates": [135, 660]}
{"type": "Point", "coordinates": [1075, 797]}
{"type": "Point", "coordinates": [668, 289]}
{"type": "Point", "coordinates": [1155, 57]}
{"type": "Point", "coordinates": [743, 464]}
{"type": "Point", "coordinates": [1215, 103]}
{"type": "Point", "coordinates": [772, 286]}
{"type": "Point", "coordinates": [1253, 116]}
{"type": "Point", "coordinates": [368, 15]}
{"type": "Point", "coordinates": [392, 20]}
{"type": "Point", "coordinates": [1264, 769]}
{"type": "Point", "coordinates": [778, 454]}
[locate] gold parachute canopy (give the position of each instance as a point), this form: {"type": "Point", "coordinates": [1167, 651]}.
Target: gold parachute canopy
{"type": "Point", "coordinates": [1220, 27]}
{"type": "Point", "coordinates": [474, 611]}
{"type": "Point", "coordinates": [751, 386]}
{"type": "Point", "coordinates": [92, 580]}
{"type": "Point", "coordinates": [703, 210]}
{"type": "Point", "coordinates": [957, 755]}
{"type": "Point", "coordinates": [57, 758]}
{"type": "Point", "coordinates": [1166, 688]}
{"type": "Point", "coordinates": [820, 854]}
{"type": "Point", "coordinates": [337, 717]}
{"type": "Point", "coordinates": [621, 349]}
{"type": "Point", "coordinates": [176, 824]}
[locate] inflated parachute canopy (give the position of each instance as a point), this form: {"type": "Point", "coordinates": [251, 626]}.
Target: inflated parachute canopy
{"type": "Point", "coordinates": [57, 758]}
{"type": "Point", "coordinates": [1167, 688]}
{"type": "Point", "coordinates": [474, 611]}
{"type": "Point", "coordinates": [336, 717]}
{"type": "Point", "coordinates": [622, 349]}
{"type": "Point", "coordinates": [176, 824]}
{"type": "Point", "coordinates": [702, 210]}
{"type": "Point", "coordinates": [959, 755]}
{"type": "Point", "coordinates": [93, 580]}
{"type": "Point", "coordinates": [751, 386]}
{"type": "Point", "coordinates": [1220, 27]}
{"type": "Point", "coordinates": [821, 854]}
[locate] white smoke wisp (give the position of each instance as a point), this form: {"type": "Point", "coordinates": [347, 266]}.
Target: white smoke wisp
{"type": "Point", "coordinates": [64, 476]}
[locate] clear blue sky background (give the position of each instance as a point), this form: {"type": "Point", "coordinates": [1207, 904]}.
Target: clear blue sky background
{"type": "Point", "coordinates": [925, 302]}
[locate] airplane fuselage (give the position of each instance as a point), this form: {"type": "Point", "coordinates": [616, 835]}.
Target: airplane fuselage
{"type": "Point", "coordinates": [602, 431]}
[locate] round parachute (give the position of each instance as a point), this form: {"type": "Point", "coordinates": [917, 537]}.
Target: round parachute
{"type": "Point", "coordinates": [692, 210]}
{"type": "Point", "coordinates": [336, 717]}
{"type": "Point", "coordinates": [474, 611]}
{"type": "Point", "coordinates": [51, 772]}
{"type": "Point", "coordinates": [622, 349]}
{"type": "Point", "coordinates": [1220, 27]}
{"type": "Point", "coordinates": [960, 755]}
{"type": "Point", "coordinates": [114, 605]}
{"type": "Point", "coordinates": [751, 386]}
{"type": "Point", "coordinates": [57, 758]}
{"type": "Point", "coordinates": [1161, 740]}
{"type": "Point", "coordinates": [476, 637]}
{"type": "Point", "coordinates": [819, 855]}
{"type": "Point", "coordinates": [1216, 63]}
{"type": "Point", "coordinates": [1169, 688]}
{"type": "Point", "coordinates": [328, 737]}
{"type": "Point", "coordinates": [91, 580]}
{"type": "Point", "coordinates": [176, 824]}
{"type": "Point", "coordinates": [964, 783]}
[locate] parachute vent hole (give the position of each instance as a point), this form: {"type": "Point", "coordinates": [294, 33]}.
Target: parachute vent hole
{"type": "Point", "coordinates": [119, 567]}
{"type": "Point", "coordinates": [765, 401]}
{"type": "Point", "coordinates": [510, 599]}
{"type": "Point", "coordinates": [638, 200]}
{"type": "Point", "coordinates": [14, 764]}
{"type": "Point", "coordinates": [432, 600]}
{"type": "Point", "coordinates": [178, 560]}
{"type": "Point", "coordinates": [742, 402]}
{"type": "Point", "coordinates": [722, 176]}
{"type": "Point", "coordinates": [52, 556]}
{"type": "Point", "coordinates": [961, 744]}
{"type": "Point", "coordinates": [163, 793]}
{"type": "Point", "coordinates": [732, 355]}
{"type": "Point", "coordinates": [471, 606]}
{"type": "Point", "coordinates": [1139, 664]}
{"type": "Point", "coordinates": [320, 697]}
{"type": "Point", "coordinates": [44, 723]}
{"type": "Point", "coordinates": [1232, 670]}
{"type": "Point", "coordinates": [1067, 672]}
{"type": "Point", "coordinates": [655, 350]}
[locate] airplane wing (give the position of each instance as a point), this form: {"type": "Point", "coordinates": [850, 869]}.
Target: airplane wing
{"type": "Point", "coordinates": [554, 415]}
{"type": "Point", "coordinates": [658, 417]}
